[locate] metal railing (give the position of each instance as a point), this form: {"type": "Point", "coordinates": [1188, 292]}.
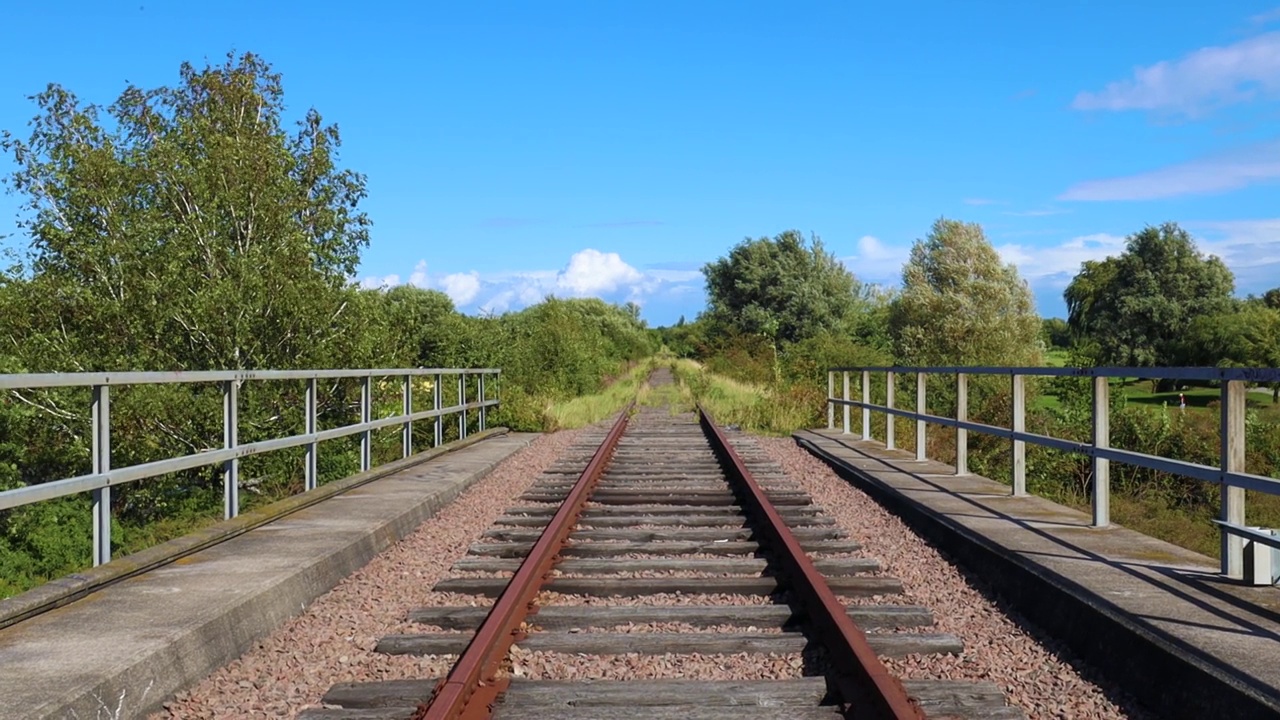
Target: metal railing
{"type": "Point", "coordinates": [103, 477]}
{"type": "Point", "coordinates": [1230, 475]}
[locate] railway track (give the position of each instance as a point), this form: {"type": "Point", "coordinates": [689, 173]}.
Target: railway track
{"type": "Point", "coordinates": [664, 538]}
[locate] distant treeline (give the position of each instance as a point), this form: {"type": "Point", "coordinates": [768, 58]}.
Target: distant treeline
{"type": "Point", "coordinates": [780, 311]}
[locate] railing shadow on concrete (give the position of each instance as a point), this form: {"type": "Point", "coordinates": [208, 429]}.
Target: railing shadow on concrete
{"type": "Point", "coordinates": [1171, 579]}
{"type": "Point", "coordinates": [1230, 475]}
{"type": "Point", "coordinates": [104, 477]}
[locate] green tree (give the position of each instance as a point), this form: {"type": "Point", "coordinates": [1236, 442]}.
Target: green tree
{"type": "Point", "coordinates": [1137, 307]}
{"type": "Point", "coordinates": [1095, 279]}
{"type": "Point", "coordinates": [1271, 298]}
{"type": "Point", "coordinates": [425, 321]}
{"type": "Point", "coordinates": [1056, 332]}
{"type": "Point", "coordinates": [1248, 337]}
{"type": "Point", "coordinates": [186, 229]}
{"type": "Point", "coordinates": [178, 228]}
{"type": "Point", "coordinates": [685, 339]}
{"type": "Point", "coordinates": [783, 289]}
{"type": "Point", "coordinates": [960, 304]}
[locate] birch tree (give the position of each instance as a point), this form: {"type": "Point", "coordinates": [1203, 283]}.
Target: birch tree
{"type": "Point", "coordinates": [184, 227]}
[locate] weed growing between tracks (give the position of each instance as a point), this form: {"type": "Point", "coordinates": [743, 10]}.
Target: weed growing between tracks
{"type": "Point", "coordinates": [769, 411]}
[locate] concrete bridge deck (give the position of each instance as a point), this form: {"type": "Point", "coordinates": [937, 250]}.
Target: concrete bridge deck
{"type": "Point", "coordinates": [1156, 617]}
{"type": "Point", "coordinates": [125, 649]}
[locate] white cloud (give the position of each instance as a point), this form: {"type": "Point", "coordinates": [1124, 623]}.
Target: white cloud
{"type": "Point", "coordinates": [588, 273]}
{"type": "Point", "coordinates": [418, 278]}
{"type": "Point", "coordinates": [1055, 265]}
{"type": "Point", "coordinates": [1217, 173]}
{"type": "Point", "coordinates": [592, 272]}
{"type": "Point", "coordinates": [498, 303]}
{"type": "Point", "coordinates": [461, 288]}
{"type": "Point", "coordinates": [1266, 18]}
{"type": "Point", "coordinates": [530, 294]}
{"type": "Point", "coordinates": [877, 262]}
{"type": "Point", "coordinates": [1206, 78]}
{"type": "Point", "coordinates": [981, 201]}
{"type": "Point", "coordinates": [374, 282]}
{"type": "Point", "coordinates": [1251, 248]}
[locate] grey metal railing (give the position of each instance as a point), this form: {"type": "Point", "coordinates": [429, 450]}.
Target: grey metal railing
{"type": "Point", "coordinates": [103, 477]}
{"type": "Point", "coordinates": [1230, 475]}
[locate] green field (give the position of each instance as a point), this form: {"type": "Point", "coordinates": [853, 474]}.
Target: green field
{"type": "Point", "coordinates": [1137, 391]}
{"type": "Point", "coordinates": [1199, 399]}
{"type": "Point", "coordinates": [1055, 357]}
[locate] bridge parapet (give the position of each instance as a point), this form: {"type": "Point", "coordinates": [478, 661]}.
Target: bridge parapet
{"type": "Point", "coordinates": [1230, 474]}
{"type": "Point", "coordinates": [103, 477]}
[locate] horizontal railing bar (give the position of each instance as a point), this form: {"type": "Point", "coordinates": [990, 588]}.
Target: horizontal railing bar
{"type": "Point", "coordinates": [70, 486]}
{"type": "Point", "coordinates": [1003, 432]}
{"type": "Point", "coordinates": [24, 381]}
{"type": "Point", "coordinates": [1247, 532]}
{"type": "Point", "coordinates": [1162, 373]}
{"type": "Point", "coordinates": [1229, 473]}
{"type": "Point", "coordinates": [50, 490]}
{"type": "Point", "coordinates": [1197, 471]}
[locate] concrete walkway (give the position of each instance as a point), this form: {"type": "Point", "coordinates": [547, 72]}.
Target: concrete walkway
{"type": "Point", "coordinates": [122, 651]}
{"type": "Point", "coordinates": [1153, 616]}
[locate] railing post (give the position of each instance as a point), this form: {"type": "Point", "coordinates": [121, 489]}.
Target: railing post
{"type": "Point", "coordinates": [311, 470]}
{"type": "Point", "coordinates": [436, 401]}
{"type": "Point", "coordinates": [962, 415]}
{"type": "Point", "coordinates": [831, 393]}
{"type": "Point", "coordinates": [1019, 426]}
{"type": "Point", "coordinates": [1231, 510]}
{"type": "Point", "coordinates": [888, 417]}
{"type": "Point", "coordinates": [480, 379]}
{"type": "Point", "coordinates": [866, 400]}
{"type": "Point", "coordinates": [101, 418]}
{"type": "Point", "coordinates": [462, 403]}
{"type": "Point", "coordinates": [1101, 440]}
{"type": "Point", "coordinates": [406, 409]}
{"type": "Point", "coordinates": [230, 438]}
{"type": "Point", "coordinates": [846, 402]}
{"type": "Point", "coordinates": [921, 409]}
{"type": "Point", "coordinates": [366, 415]}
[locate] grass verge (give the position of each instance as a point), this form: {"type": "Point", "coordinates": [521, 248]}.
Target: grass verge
{"type": "Point", "coordinates": [763, 410]}
{"type": "Point", "coordinates": [587, 409]}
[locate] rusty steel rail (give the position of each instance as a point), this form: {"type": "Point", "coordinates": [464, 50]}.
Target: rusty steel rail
{"type": "Point", "coordinates": [864, 683]}
{"type": "Point", "coordinates": [472, 686]}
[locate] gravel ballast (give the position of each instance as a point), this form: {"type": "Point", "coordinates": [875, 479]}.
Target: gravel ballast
{"type": "Point", "coordinates": [1038, 675]}
{"type": "Point", "coordinates": [333, 640]}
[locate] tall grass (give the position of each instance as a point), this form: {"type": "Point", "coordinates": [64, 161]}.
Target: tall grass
{"type": "Point", "coordinates": [676, 396]}
{"type": "Point", "coordinates": [588, 409]}
{"type": "Point", "coordinates": [778, 410]}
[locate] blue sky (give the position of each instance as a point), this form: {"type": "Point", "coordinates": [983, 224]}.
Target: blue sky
{"type": "Point", "coordinates": [610, 148]}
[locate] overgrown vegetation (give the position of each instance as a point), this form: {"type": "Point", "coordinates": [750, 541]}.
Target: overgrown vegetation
{"type": "Point", "coordinates": [184, 228]}
{"type": "Point", "coordinates": [585, 410]}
